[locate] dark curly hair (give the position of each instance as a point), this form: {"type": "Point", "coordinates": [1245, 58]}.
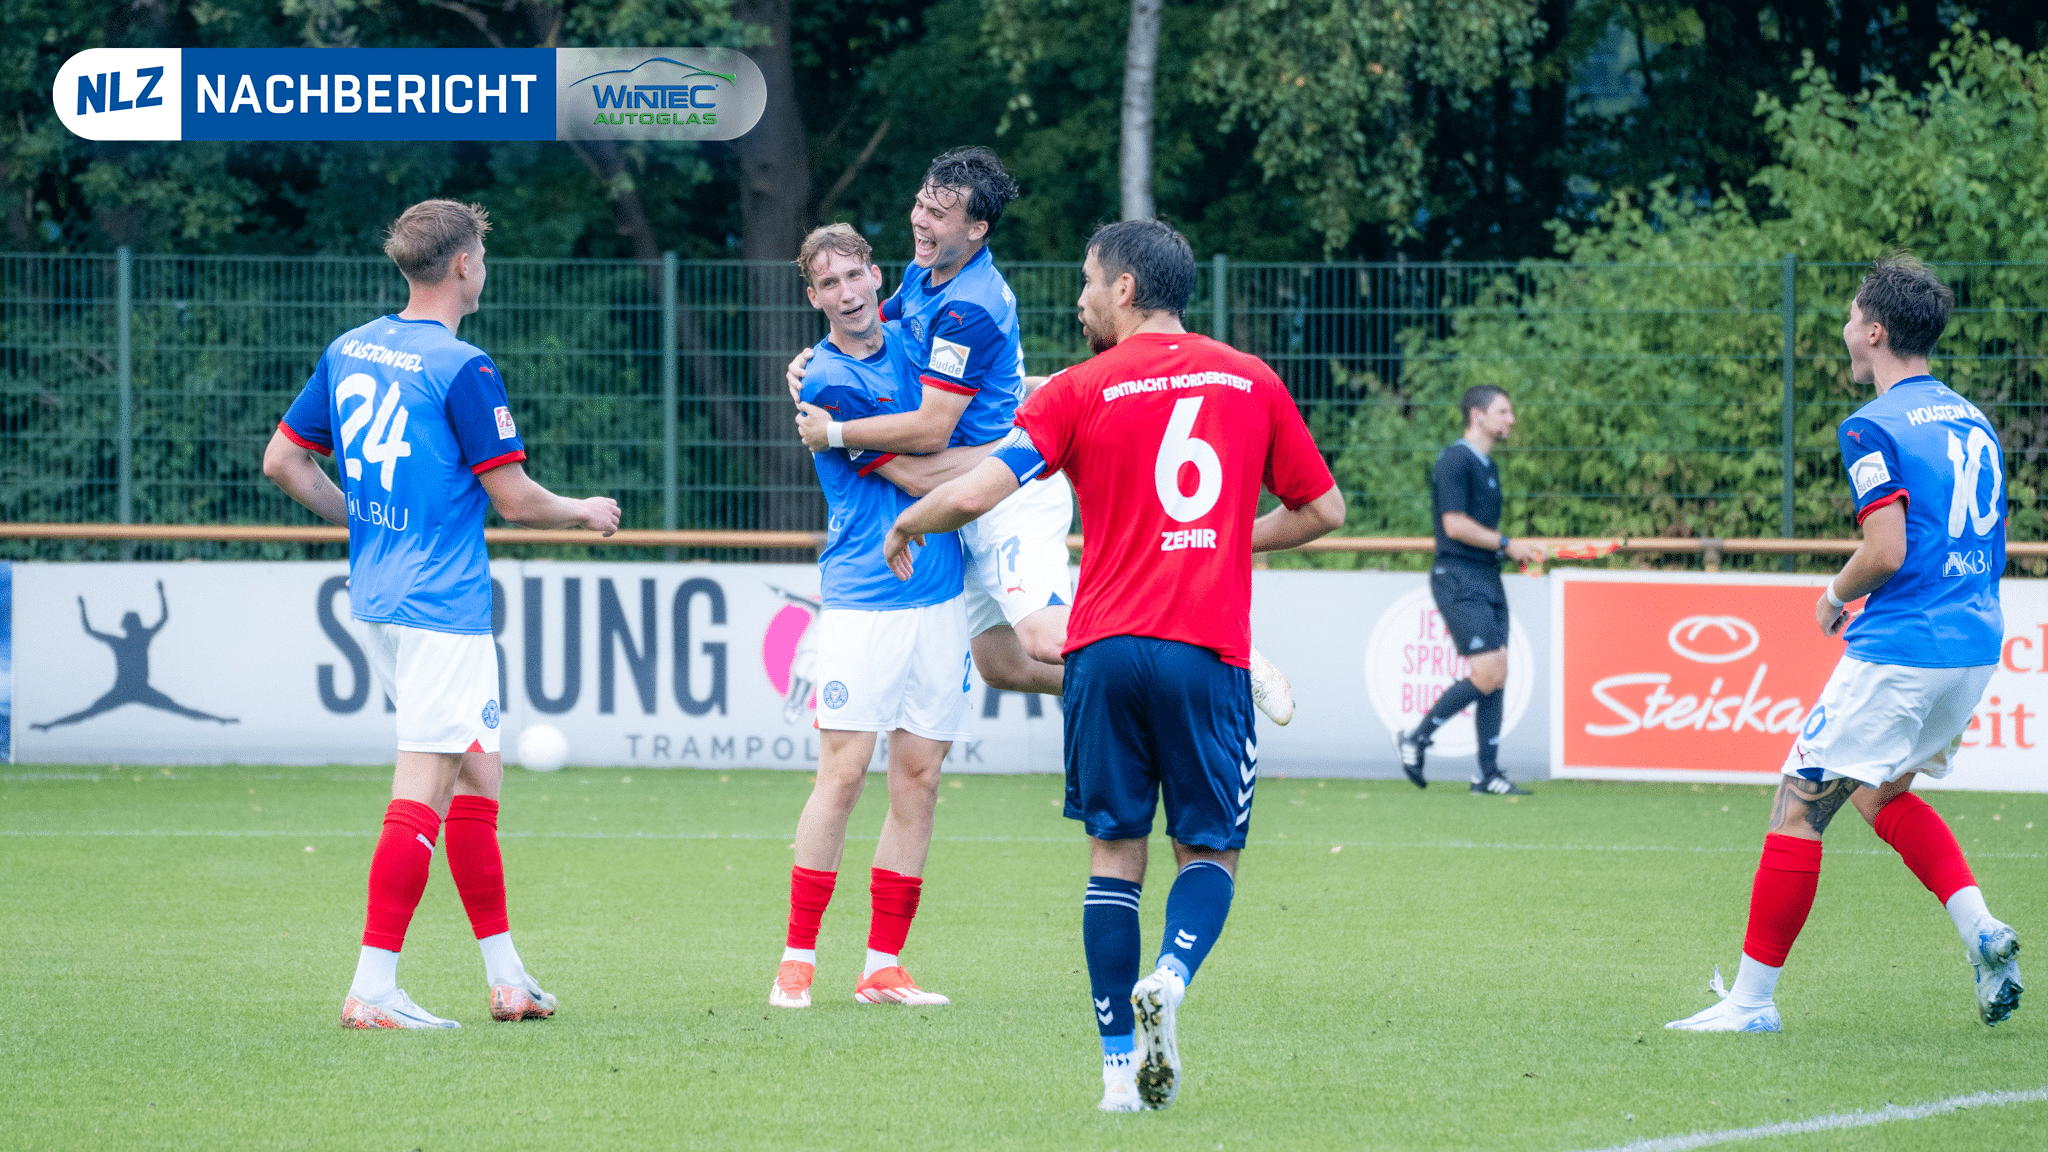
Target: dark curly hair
{"type": "Point", "coordinates": [990, 189]}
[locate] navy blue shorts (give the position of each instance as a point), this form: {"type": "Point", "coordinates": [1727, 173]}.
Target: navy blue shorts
{"type": "Point", "coordinates": [1146, 717]}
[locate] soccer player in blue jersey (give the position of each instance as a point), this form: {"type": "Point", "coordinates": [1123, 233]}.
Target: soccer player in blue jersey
{"type": "Point", "coordinates": [425, 440]}
{"type": "Point", "coordinates": [961, 319]}
{"type": "Point", "coordinates": [892, 655]}
{"type": "Point", "coordinates": [1926, 471]}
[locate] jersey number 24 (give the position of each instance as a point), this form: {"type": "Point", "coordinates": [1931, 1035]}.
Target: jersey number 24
{"type": "Point", "coordinates": [386, 441]}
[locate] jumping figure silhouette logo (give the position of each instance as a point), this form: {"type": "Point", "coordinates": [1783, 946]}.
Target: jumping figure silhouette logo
{"type": "Point", "coordinates": [131, 669]}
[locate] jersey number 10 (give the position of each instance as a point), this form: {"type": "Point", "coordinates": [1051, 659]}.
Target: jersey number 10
{"type": "Point", "coordinates": [1968, 460]}
{"type": "Point", "coordinates": [386, 441]}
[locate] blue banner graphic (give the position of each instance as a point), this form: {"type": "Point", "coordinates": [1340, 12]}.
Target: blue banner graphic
{"type": "Point", "coordinates": [409, 94]}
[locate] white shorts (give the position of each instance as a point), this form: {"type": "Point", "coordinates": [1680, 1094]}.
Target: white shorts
{"type": "Point", "coordinates": [445, 687]}
{"type": "Point", "coordinates": [1017, 555]}
{"type": "Point", "coordinates": [902, 668]}
{"type": "Point", "coordinates": [1876, 722]}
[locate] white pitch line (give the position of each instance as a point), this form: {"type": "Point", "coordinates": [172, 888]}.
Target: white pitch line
{"type": "Point", "coordinates": [1303, 842]}
{"type": "Point", "coordinates": [1835, 1123]}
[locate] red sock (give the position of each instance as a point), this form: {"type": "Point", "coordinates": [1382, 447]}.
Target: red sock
{"type": "Point", "coordinates": [398, 872]}
{"type": "Point", "coordinates": [809, 892]}
{"type": "Point", "coordinates": [474, 861]}
{"type": "Point", "coordinates": [895, 906]}
{"type": "Point", "coordinates": [1786, 878]}
{"type": "Point", "coordinates": [1921, 836]}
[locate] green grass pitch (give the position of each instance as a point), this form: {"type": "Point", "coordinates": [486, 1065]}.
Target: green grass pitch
{"type": "Point", "coordinates": [1402, 969]}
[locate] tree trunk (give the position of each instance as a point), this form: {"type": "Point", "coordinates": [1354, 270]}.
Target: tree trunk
{"type": "Point", "coordinates": [775, 203]}
{"type": "Point", "coordinates": [1141, 67]}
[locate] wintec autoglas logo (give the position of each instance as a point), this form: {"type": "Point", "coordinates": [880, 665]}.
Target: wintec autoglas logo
{"type": "Point", "coordinates": [657, 91]}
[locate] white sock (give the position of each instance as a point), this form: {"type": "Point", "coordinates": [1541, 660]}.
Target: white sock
{"type": "Point", "coordinates": [807, 955]}
{"type": "Point", "coordinates": [1755, 984]}
{"type": "Point", "coordinates": [876, 962]}
{"type": "Point", "coordinates": [501, 960]}
{"type": "Point", "coordinates": [376, 975]}
{"type": "Point", "coordinates": [1967, 909]}
{"type": "Point", "coordinates": [1119, 1065]}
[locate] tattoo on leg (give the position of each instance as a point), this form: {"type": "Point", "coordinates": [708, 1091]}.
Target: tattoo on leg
{"type": "Point", "coordinates": [1816, 803]}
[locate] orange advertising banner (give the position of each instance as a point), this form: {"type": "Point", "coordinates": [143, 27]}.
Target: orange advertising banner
{"type": "Point", "coordinates": [1668, 676]}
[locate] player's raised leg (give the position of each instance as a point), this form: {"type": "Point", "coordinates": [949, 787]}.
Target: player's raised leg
{"type": "Point", "coordinates": [1923, 840]}
{"type": "Point", "coordinates": [896, 883]}
{"type": "Point", "coordinates": [398, 877]}
{"type": "Point", "coordinates": [478, 867]}
{"type": "Point", "coordinates": [820, 842]}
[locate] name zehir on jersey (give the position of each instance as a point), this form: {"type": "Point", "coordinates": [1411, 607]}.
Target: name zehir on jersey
{"type": "Point", "coordinates": [1168, 383]}
{"type": "Point", "coordinates": [1187, 538]}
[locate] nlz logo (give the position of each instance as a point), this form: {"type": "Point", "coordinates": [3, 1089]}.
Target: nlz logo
{"type": "Point", "coordinates": [101, 92]}
{"type": "Point", "coordinates": [1975, 563]}
{"type": "Point", "coordinates": [691, 98]}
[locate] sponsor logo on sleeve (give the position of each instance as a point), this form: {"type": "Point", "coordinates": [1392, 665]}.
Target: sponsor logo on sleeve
{"type": "Point", "coordinates": [1868, 472]}
{"type": "Point", "coordinates": [948, 358]}
{"type": "Point", "coordinates": [506, 429]}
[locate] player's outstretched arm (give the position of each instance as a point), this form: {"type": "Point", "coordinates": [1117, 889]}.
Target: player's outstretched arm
{"type": "Point", "coordinates": [945, 508]}
{"type": "Point", "coordinates": [1882, 553]}
{"type": "Point", "coordinates": [918, 475]}
{"type": "Point", "coordinates": [929, 429]}
{"type": "Point", "coordinates": [293, 469]}
{"type": "Point", "coordinates": [522, 501]}
{"type": "Point", "coordinates": [1285, 528]}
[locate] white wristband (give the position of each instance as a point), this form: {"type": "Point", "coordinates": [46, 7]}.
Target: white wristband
{"type": "Point", "coordinates": [835, 434]}
{"type": "Point", "coordinates": [1833, 600]}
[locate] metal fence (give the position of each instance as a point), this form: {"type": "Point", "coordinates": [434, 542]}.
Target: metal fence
{"type": "Point", "coordinates": [1692, 400]}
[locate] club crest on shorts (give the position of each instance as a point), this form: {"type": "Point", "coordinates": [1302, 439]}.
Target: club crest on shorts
{"type": "Point", "coordinates": [490, 714]}
{"type": "Point", "coordinates": [833, 695]}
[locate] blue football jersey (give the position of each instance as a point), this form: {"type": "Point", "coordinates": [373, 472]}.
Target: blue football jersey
{"type": "Point", "coordinates": [862, 507]}
{"type": "Point", "coordinates": [415, 416]}
{"type": "Point", "coordinates": [1922, 444]}
{"type": "Point", "coordinates": [964, 338]}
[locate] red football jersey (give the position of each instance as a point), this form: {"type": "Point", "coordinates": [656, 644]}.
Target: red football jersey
{"type": "Point", "coordinates": [1167, 439]}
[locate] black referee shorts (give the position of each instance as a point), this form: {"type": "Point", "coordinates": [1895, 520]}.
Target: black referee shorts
{"type": "Point", "coordinates": [1473, 603]}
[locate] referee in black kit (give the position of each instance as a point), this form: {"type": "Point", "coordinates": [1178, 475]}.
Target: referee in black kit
{"type": "Point", "coordinates": [1464, 497]}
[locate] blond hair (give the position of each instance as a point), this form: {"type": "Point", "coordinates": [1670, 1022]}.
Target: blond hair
{"type": "Point", "coordinates": [836, 238]}
{"type": "Point", "coordinates": [429, 234]}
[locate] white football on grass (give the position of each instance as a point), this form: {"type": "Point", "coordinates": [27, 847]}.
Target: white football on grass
{"type": "Point", "coordinates": [543, 748]}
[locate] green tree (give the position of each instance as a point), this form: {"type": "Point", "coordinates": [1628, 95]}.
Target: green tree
{"type": "Point", "coordinates": [1645, 362]}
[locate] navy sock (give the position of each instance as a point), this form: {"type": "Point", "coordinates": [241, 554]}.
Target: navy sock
{"type": "Point", "coordinates": [1195, 911]}
{"type": "Point", "coordinates": [1453, 701]}
{"type": "Point", "coordinates": [1109, 934]}
{"type": "Point", "coordinates": [1486, 722]}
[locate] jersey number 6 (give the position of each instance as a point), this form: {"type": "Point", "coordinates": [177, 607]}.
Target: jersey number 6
{"type": "Point", "coordinates": [1176, 448]}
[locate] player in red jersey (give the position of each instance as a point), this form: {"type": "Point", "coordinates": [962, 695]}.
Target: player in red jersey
{"type": "Point", "coordinates": [1167, 437]}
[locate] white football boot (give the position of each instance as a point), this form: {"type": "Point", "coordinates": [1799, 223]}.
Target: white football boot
{"type": "Point", "coordinates": [394, 1011]}
{"type": "Point", "coordinates": [1727, 1016]}
{"type": "Point", "coordinates": [1156, 1000]}
{"type": "Point", "coordinates": [1996, 957]}
{"type": "Point", "coordinates": [1270, 690]}
{"type": "Point", "coordinates": [523, 1001]}
{"type": "Point", "coordinates": [1120, 1084]}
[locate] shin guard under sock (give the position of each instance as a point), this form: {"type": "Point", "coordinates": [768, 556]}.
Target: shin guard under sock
{"type": "Point", "coordinates": [476, 864]}
{"type": "Point", "coordinates": [1109, 936]}
{"type": "Point", "coordinates": [1922, 838]}
{"type": "Point", "coordinates": [1196, 907]}
{"type": "Point", "coordinates": [1786, 879]}
{"type": "Point", "coordinates": [894, 898]}
{"type": "Point", "coordinates": [1486, 724]}
{"type": "Point", "coordinates": [810, 891]}
{"type": "Point", "coordinates": [398, 872]}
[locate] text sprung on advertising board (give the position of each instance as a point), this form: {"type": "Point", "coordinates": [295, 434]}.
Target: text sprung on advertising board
{"type": "Point", "coordinates": [1660, 677]}
{"type": "Point", "coordinates": [409, 94]}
